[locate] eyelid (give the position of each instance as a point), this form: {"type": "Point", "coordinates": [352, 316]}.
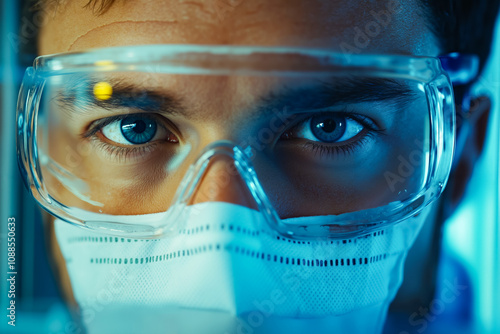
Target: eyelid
{"type": "Point", "coordinates": [124, 154]}
{"type": "Point", "coordinates": [363, 119]}
{"type": "Point", "coordinates": [335, 150]}
{"type": "Point", "coordinates": [97, 125]}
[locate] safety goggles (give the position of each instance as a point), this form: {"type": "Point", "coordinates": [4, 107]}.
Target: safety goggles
{"type": "Point", "coordinates": [124, 139]}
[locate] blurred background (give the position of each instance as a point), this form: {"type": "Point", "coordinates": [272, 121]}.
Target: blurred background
{"type": "Point", "coordinates": [39, 308]}
{"type": "Point", "coordinates": [471, 236]}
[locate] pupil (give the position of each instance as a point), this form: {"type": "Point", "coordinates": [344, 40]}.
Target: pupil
{"type": "Point", "coordinates": [139, 126]}
{"type": "Point", "coordinates": [328, 125]}
{"type": "Point", "coordinates": [327, 128]}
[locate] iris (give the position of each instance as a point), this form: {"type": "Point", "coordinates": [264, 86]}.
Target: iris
{"type": "Point", "coordinates": [138, 129]}
{"type": "Point", "coordinates": [328, 128]}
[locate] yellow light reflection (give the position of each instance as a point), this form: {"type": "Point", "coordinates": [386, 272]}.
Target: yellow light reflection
{"type": "Point", "coordinates": [103, 91]}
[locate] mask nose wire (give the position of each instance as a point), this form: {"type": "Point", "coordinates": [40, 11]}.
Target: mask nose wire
{"type": "Point", "coordinates": [223, 173]}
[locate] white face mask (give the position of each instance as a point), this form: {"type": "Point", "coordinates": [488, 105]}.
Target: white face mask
{"type": "Point", "coordinates": [221, 274]}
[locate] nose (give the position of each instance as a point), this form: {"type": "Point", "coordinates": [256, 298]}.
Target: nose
{"type": "Point", "coordinates": [221, 182]}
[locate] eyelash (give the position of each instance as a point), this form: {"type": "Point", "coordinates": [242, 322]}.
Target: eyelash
{"type": "Point", "coordinates": [329, 151]}
{"type": "Point", "coordinates": [122, 154]}
{"type": "Point", "coordinates": [93, 129]}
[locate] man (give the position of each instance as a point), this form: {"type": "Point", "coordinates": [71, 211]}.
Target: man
{"type": "Point", "coordinates": [412, 28]}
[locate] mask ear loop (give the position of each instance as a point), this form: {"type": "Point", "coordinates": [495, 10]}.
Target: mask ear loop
{"type": "Point", "coordinates": [462, 70]}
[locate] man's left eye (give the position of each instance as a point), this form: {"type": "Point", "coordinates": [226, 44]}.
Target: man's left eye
{"type": "Point", "coordinates": [326, 128]}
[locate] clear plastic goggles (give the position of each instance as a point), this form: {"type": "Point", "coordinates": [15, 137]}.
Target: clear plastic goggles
{"type": "Point", "coordinates": [106, 135]}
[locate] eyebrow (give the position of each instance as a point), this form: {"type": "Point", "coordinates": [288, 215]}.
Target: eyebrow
{"type": "Point", "coordinates": [335, 92]}
{"type": "Point", "coordinates": [79, 96]}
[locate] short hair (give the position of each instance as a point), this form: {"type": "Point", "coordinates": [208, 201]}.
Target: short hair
{"type": "Point", "coordinates": [98, 7]}
{"type": "Point", "coordinates": [464, 26]}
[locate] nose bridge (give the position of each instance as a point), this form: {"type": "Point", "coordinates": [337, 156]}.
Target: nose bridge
{"type": "Point", "coordinates": [222, 182]}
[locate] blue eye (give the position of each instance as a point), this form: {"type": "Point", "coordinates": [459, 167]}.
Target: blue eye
{"type": "Point", "coordinates": [137, 129]}
{"type": "Point", "coordinates": [328, 128]}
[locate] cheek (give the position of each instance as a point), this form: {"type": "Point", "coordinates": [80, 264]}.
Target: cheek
{"type": "Point", "coordinates": [80, 175]}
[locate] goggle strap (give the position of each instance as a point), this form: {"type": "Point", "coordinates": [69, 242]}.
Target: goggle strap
{"type": "Point", "coordinates": [461, 68]}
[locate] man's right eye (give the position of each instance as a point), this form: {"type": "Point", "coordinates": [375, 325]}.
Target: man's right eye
{"type": "Point", "coordinates": [136, 129]}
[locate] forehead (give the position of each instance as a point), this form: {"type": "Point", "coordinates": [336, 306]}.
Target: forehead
{"type": "Point", "coordinates": [365, 26]}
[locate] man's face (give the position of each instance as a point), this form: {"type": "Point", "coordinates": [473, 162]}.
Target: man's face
{"type": "Point", "coordinates": [365, 27]}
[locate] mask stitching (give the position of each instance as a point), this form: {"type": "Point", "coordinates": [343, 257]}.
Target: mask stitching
{"type": "Point", "coordinates": [337, 262]}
